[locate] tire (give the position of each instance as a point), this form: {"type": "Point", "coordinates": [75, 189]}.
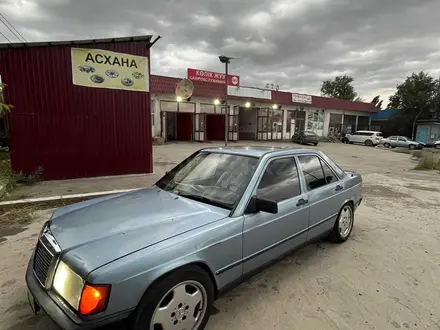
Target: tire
{"type": "Point", "coordinates": [386, 145]}
{"type": "Point", "coordinates": [344, 140]}
{"type": "Point", "coordinates": [336, 236]}
{"type": "Point", "coordinates": [301, 141]}
{"type": "Point", "coordinates": [315, 144]}
{"type": "Point", "coordinates": [437, 146]}
{"type": "Point", "coordinates": [182, 310]}
{"type": "Point", "coordinates": [412, 146]}
{"type": "Point", "coordinates": [369, 143]}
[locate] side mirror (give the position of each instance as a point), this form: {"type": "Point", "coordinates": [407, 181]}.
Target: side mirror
{"type": "Point", "coordinates": [257, 204]}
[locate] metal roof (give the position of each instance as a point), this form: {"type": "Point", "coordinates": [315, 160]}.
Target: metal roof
{"type": "Point", "coordinates": [146, 38]}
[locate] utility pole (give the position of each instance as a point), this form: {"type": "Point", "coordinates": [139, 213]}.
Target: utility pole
{"type": "Point", "coordinates": [226, 60]}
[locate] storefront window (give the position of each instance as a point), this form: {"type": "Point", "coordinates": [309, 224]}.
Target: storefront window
{"type": "Point", "coordinates": [207, 108]}
{"type": "Point", "coordinates": [295, 121]}
{"type": "Point", "coordinates": [187, 107]}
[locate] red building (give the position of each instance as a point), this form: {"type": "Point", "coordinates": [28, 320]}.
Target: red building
{"type": "Point", "coordinates": [69, 130]}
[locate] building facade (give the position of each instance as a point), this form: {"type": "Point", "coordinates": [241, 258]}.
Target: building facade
{"type": "Point", "coordinates": [254, 113]}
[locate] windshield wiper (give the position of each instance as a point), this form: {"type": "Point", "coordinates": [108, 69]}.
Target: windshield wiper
{"type": "Point", "coordinates": [206, 200]}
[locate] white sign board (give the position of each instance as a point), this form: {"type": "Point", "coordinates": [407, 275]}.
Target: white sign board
{"type": "Point", "coordinates": [301, 98]}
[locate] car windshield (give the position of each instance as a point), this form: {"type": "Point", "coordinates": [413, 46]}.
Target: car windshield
{"type": "Point", "coordinates": [213, 178]}
{"type": "Point", "coordinates": [379, 135]}
{"type": "Point", "coordinates": [309, 133]}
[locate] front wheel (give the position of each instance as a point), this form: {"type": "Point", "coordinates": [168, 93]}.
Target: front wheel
{"type": "Point", "coordinates": [180, 301]}
{"type": "Point", "coordinates": [437, 146]}
{"type": "Point", "coordinates": [412, 146]}
{"type": "Point", "coordinates": [343, 225]}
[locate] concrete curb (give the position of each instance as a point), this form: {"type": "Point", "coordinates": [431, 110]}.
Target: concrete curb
{"type": "Point", "coordinates": [54, 200]}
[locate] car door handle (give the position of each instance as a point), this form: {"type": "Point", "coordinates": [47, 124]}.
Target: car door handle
{"type": "Point", "coordinates": [339, 187]}
{"type": "Point", "coordinates": [302, 201]}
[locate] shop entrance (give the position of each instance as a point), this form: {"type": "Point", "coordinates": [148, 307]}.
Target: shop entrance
{"type": "Point", "coordinates": [170, 125]}
{"type": "Point", "coordinates": [248, 123]}
{"type": "Point", "coordinates": [215, 127]}
{"type": "Point", "coordinates": [269, 124]}
{"type": "Point", "coordinates": [184, 123]}
{"type": "Point", "coordinates": [178, 125]}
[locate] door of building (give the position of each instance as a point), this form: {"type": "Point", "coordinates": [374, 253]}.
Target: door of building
{"type": "Point", "coordinates": [262, 124]}
{"type": "Point", "coordinates": [199, 127]}
{"type": "Point", "coordinates": [233, 122]}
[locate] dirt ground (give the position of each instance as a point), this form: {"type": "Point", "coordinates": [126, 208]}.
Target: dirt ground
{"type": "Point", "coordinates": [386, 276]}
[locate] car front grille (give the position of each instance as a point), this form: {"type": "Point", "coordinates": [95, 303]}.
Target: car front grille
{"type": "Point", "coordinates": [43, 259]}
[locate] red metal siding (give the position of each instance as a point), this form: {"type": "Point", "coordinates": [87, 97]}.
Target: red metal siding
{"type": "Point", "coordinates": [73, 131]}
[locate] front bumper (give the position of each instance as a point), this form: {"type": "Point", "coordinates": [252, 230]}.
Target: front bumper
{"type": "Point", "coordinates": [64, 318]}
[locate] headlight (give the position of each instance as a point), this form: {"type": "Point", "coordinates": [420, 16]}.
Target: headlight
{"type": "Point", "coordinates": [68, 284]}
{"type": "Point", "coordinates": [87, 299]}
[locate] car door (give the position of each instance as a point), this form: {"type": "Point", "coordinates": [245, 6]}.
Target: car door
{"type": "Point", "coordinates": [354, 137]}
{"type": "Point", "coordinates": [402, 142]}
{"type": "Point", "coordinates": [325, 191]}
{"type": "Point", "coordinates": [267, 236]}
{"type": "Point", "coordinates": [393, 141]}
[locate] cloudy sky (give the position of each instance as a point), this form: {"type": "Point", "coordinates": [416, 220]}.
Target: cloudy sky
{"type": "Point", "coordinates": [293, 43]}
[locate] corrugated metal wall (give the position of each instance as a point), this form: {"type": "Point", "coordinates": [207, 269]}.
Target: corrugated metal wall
{"type": "Point", "coordinates": [73, 131]}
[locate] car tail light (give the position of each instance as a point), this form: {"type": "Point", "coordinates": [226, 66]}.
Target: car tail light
{"type": "Point", "coordinates": [94, 299]}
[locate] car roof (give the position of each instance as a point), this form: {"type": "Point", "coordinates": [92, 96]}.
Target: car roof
{"type": "Point", "coordinates": [260, 151]}
{"type": "Point", "coordinates": [369, 131]}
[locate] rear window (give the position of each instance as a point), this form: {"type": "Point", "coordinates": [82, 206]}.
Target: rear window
{"type": "Point", "coordinates": [379, 134]}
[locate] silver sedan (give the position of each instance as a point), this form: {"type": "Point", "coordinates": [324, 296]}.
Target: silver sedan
{"type": "Point", "coordinates": [159, 257]}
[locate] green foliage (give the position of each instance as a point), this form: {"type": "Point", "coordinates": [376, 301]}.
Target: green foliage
{"type": "Point", "coordinates": [4, 106]}
{"type": "Point", "coordinates": [418, 93]}
{"type": "Point", "coordinates": [341, 88]}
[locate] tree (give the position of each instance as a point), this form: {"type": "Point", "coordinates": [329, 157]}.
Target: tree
{"type": "Point", "coordinates": [377, 102]}
{"type": "Point", "coordinates": [415, 98]}
{"type": "Point", "coordinates": [341, 88]}
{"type": "Point", "coordinates": [418, 93]}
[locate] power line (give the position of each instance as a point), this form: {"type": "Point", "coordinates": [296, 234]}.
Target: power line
{"type": "Point", "coordinates": [5, 37]}
{"type": "Point", "coordinates": [16, 33]}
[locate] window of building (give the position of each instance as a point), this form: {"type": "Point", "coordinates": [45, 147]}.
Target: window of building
{"type": "Point", "coordinates": [313, 172]}
{"type": "Point", "coordinates": [280, 180]}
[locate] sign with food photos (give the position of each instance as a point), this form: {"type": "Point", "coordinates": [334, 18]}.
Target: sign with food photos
{"type": "Point", "coordinates": [99, 68]}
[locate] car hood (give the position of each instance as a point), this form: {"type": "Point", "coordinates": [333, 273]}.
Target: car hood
{"type": "Point", "coordinates": [96, 232]}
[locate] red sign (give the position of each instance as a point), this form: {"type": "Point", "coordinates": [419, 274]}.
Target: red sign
{"type": "Point", "coordinates": [212, 77]}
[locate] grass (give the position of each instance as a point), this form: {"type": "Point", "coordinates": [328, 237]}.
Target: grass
{"type": "Point", "coordinates": [428, 162]}
{"type": "Point", "coordinates": [11, 179]}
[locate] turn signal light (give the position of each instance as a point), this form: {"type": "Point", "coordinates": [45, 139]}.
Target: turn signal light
{"type": "Point", "coordinates": [94, 299]}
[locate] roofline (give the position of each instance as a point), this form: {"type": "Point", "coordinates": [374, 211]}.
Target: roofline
{"type": "Point", "coordinates": [145, 38]}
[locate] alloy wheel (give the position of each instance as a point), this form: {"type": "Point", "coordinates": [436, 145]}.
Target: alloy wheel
{"type": "Point", "coordinates": [181, 308]}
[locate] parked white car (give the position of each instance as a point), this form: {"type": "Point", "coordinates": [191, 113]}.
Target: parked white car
{"type": "Point", "coordinates": [369, 138]}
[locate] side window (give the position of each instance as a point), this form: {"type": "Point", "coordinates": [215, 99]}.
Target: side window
{"type": "Point", "coordinates": [313, 173]}
{"type": "Point", "coordinates": [330, 177]}
{"type": "Point", "coordinates": [280, 180]}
